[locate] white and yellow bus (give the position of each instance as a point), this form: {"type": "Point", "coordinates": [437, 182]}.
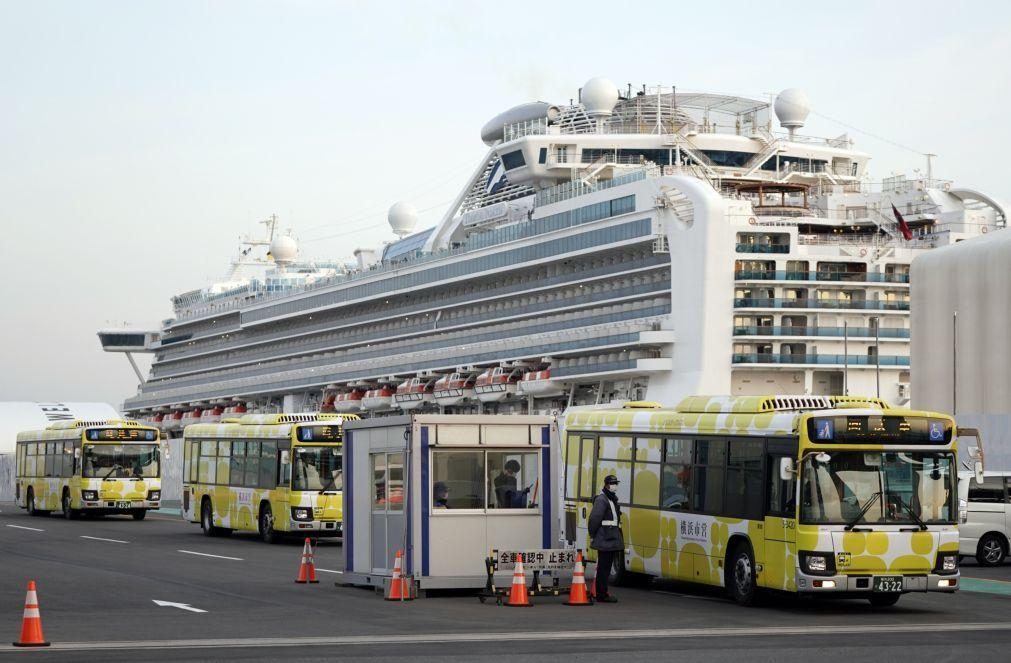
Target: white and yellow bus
{"type": "Point", "coordinates": [89, 467]}
{"type": "Point", "coordinates": [273, 474]}
{"type": "Point", "coordinates": [815, 494]}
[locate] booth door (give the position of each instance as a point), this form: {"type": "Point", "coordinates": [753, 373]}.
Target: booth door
{"type": "Point", "coordinates": [387, 509]}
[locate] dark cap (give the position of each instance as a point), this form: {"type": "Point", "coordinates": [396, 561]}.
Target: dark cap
{"type": "Point", "coordinates": [610, 478]}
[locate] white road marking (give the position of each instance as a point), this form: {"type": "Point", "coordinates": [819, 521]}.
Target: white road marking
{"type": "Point", "coordinates": [98, 538]}
{"type": "Point", "coordinates": [181, 606]}
{"type": "Point", "coordinates": [328, 571]}
{"type": "Point", "coordinates": [34, 529]}
{"type": "Point", "coordinates": [535, 636]}
{"type": "Point", "coordinates": [190, 552]}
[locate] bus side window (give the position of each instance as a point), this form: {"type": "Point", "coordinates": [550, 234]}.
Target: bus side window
{"type": "Point", "coordinates": [285, 467]}
{"type": "Point", "coordinates": [782, 494]}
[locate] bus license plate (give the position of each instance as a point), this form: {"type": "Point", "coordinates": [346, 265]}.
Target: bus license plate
{"type": "Point", "coordinates": [888, 584]}
{"type": "Point", "coordinates": [127, 505]}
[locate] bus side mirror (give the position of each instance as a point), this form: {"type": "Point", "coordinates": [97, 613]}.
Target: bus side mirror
{"type": "Point", "coordinates": [786, 469]}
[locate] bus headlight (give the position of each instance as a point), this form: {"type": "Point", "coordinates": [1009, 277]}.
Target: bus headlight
{"type": "Point", "coordinates": [154, 495]}
{"type": "Point", "coordinates": [817, 563]}
{"type": "Point", "coordinates": [946, 563]}
{"type": "Point", "coordinates": [90, 495]}
{"type": "Point", "coordinates": [301, 513]}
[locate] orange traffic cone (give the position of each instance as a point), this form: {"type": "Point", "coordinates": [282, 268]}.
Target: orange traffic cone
{"type": "Point", "coordinates": [578, 594]}
{"type": "Point", "coordinates": [518, 597]}
{"type": "Point", "coordinates": [400, 587]}
{"type": "Point", "coordinates": [307, 570]}
{"type": "Point", "coordinates": [31, 624]}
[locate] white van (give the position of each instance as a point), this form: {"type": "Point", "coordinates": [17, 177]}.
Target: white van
{"type": "Point", "coordinates": [984, 534]}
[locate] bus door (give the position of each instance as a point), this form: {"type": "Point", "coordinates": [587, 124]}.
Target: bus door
{"type": "Point", "coordinates": [587, 489]}
{"type": "Point", "coordinates": [780, 522]}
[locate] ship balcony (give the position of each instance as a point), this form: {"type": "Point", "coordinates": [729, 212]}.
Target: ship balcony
{"type": "Point", "coordinates": [844, 304]}
{"type": "Point", "coordinates": [835, 277]}
{"type": "Point", "coordinates": [834, 332]}
{"type": "Point", "coordinates": [761, 358]}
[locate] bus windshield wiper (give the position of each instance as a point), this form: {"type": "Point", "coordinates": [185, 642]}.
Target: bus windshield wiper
{"type": "Point", "coordinates": [867, 505]}
{"type": "Point", "coordinates": [109, 473]}
{"type": "Point", "coordinates": [909, 510]}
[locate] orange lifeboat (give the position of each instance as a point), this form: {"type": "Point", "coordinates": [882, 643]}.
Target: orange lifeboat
{"type": "Point", "coordinates": [348, 401]}
{"type": "Point", "coordinates": [212, 415]}
{"type": "Point", "coordinates": [172, 421]}
{"type": "Point", "coordinates": [234, 411]}
{"type": "Point", "coordinates": [497, 384]}
{"type": "Point", "coordinates": [380, 398]}
{"type": "Point", "coordinates": [190, 417]}
{"type": "Point", "coordinates": [540, 385]}
{"type": "Point", "coordinates": [328, 399]}
{"type": "Point", "coordinates": [453, 389]}
{"type": "Point", "coordinates": [156, 419]}
{"type": "Point", "coordinates": [414, 392]}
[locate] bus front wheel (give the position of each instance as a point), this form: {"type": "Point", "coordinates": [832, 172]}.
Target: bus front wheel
{"type": "Point", "coordinates": [267, 531]}
{"type": "Point", "coordinates": [884, 600]}
{"type": "Point", "coordinates": [68, 512]}
{"type": "Point", "coordinates": [139, 514]}
{"type": "Point", "coordinates": [739, 576]}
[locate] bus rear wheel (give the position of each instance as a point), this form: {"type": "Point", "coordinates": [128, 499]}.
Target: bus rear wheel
{"type": "Point", "coordinates": [68, 512]}
{"type": "Point", "coordinates": [267, 531]}
{"type": "Point", "coordinates": [32, 509]}
{"type": "Point", "coordinates": [739, 575]}
{"type": "Point", "coordinates": [207, 519]}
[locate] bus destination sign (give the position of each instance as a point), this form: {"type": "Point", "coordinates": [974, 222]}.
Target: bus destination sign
{"type": "Point", "coordinates": [319, 433]}
{"type": "Point", "coordinates": [121, 435]}
{"type": "Point", "coordinates": [877, 429]}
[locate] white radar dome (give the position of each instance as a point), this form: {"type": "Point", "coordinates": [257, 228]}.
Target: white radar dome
{"type": "Point", "coordinates": [283, 249]}
{"type": "Point", "coordinates": [792, 107]}
{"type": "Point", "coordinates": [599, 96]}
{"type": "Point", "coordinates": [402, 217]}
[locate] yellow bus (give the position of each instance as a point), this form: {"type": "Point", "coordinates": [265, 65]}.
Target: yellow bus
{"type": "Point", "coordinates": [829, 495]}
{"type": "Point", "coordinates": [89, 467]}
{"type": "Point", "coordinates": [273, 474]}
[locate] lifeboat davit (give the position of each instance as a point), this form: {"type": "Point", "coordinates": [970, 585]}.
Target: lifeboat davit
{"type": "Point", "coordinates": [380, 398]}
{"type": "Point", "coordinates": [540, 385]}
{"type": "Point", "coordinates": [497, 384]}
{"type": "Point", "coordinates": [414, 392]}
{"type": "Point", "coordinates": [453, 389]}
{"type": "Point", "coordinates": [348, 401]}
{"type": "Point", "coordinates": [212, 415]}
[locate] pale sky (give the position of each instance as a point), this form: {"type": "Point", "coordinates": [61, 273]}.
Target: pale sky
{"type": "Point", "coordinates": [138, 139]}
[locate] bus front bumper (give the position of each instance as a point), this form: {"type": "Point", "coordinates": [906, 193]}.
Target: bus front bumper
{"type": "Point", "coordinates": [863, 584]}
{"type": "Point", "coordinates": [318, 527]}
{"type": "Point", "coordinates": [110, 506]}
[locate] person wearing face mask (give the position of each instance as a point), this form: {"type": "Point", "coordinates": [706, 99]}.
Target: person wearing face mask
{"type": "Point", "coordinates": [605, 532]}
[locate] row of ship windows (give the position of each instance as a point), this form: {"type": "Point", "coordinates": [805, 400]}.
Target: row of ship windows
{"type": "Point", "coordinates": [479, 313]}
{"type": "Point", "coordinates": [624, 334]}
{"type": "Point", "coordinates": [560, 322]}
{"type": "Point", "coordinates": [557, 273]}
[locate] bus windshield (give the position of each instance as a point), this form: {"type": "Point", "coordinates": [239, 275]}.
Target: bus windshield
{"type": "Point", "coordinates": [317, 468]}
{"type": "Point", "coordinates": [121, 461]}
{"type": "Point", "coordinates": [875, 487]}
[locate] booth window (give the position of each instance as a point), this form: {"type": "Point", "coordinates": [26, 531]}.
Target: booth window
{"type": "Point", "coordinates": [513, 481]}
{"type": "Point", "coordinates": [481, 479]}
{"type": "Point", "coordinates": [387, 481]}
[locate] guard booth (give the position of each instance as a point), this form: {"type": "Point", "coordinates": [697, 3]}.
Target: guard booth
{"type": "Point", "coordinates": [447, 490]}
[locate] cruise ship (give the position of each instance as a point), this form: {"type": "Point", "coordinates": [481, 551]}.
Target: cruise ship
{"type": "Point", "coordinates": [639, 244]}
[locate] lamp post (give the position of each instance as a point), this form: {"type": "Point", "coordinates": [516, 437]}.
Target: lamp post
{"type": "Point", "coordinates": [846, 358]}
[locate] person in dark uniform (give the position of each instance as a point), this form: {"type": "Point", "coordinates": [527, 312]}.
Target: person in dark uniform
{"type": "Point", "coordinates": [605, 535]}
{"type": "Point", "coordinates": [440, 491]}
{"type": "Point", "coordinates": [506, 484]}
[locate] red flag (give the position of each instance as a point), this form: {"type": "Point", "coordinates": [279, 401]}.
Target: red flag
{"type": "Point", "coordinates": [903, 226]}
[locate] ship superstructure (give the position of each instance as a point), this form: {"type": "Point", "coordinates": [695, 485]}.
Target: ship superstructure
{"type": "Point", "coordinates": [638, 244]}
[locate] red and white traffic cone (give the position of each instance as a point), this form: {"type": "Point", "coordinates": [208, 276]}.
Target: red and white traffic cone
{"type": "Point", "coordinates": [578, 594]}
{"type": "Point", "coordinates": [307, 570]}
{"type": "Point", "coordinates": [400, 587]}
{"type": "Point", "coordinates": [31, 623]}
{"type": "Point", "coordinates": [518, 595]}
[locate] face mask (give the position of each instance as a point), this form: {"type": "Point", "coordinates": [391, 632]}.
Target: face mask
{"type": "Point", "coordinates": [611, 487]}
